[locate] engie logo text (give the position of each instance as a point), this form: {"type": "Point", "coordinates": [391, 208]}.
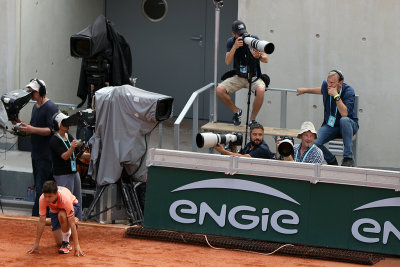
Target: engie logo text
{"type": "Point", "coordinates": [284, 221]}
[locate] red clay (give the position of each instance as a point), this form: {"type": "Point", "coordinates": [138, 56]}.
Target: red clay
{"type": "Point", "coordinates": [106, 246]}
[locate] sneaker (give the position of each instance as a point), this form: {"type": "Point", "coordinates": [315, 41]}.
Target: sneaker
{"type": "Point", "coordinates": [65, 248]}
{"type": "Point", "coordinates": [236, 117]}
{"type": "Point", "coordinates": [333, 162]}
{"type": "Point", "coordinates": [348, 162]}
{"type": "Point", "coordinates": [252, 122]}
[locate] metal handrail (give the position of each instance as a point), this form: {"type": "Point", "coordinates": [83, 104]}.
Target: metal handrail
{"type": "Point", "coordinates": [195, 101]}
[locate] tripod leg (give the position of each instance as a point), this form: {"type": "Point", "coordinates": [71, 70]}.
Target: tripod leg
{"type": "Point", "coordinates": [94, 203]}
{"type": "Point", "coordinates": [129, 201]}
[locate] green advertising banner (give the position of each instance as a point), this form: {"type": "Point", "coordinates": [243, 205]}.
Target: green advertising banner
{"type": "Point", "coordinates": [273, 209]}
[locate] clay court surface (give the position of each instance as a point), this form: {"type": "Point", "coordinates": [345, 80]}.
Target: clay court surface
{"type": "Point", "coordinates": [107, 246]}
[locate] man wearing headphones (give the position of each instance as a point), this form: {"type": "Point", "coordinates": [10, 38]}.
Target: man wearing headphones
{"type": "Point", "coordinates": [40, 128]}
{"type": "Point", "coordinates": [340, 118]}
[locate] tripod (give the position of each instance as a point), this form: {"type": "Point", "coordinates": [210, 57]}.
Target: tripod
{"type": "Point", "coordinates": [129, 197]}
{"type": "Point", "coordinates": [251, 62]}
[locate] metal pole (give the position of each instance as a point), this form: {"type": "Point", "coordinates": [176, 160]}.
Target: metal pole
{"type": "Point", "coordinates": [213, 94]}
{"type": "Point", "coordinates": [283, 108]}
{"type": "Point", "coordinates": [195, 129]}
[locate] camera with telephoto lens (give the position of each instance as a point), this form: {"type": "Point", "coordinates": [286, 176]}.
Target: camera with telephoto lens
{"type": "Point", "coordinates": [260, 45]}
{"type": "Point", "coordinates": [285, 147]}
{"type": "Point", "coordinates": [208, 140]}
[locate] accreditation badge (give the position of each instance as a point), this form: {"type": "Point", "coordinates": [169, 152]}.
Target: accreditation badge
{"type": "Point", "coordinates": [73, 165]}
{"type": "Point", "coordinates": [331, 121]}
{"type": "Point", "coordinates": [243, 69]}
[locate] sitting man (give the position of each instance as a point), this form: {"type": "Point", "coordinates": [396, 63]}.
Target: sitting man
{"type": "Point", "coordinates": [340, 118]}
{"type": "Point", "coordinates": [307, 151]}
{"type": "Point", "coordinates": [63, 207]}
{"type": "Point", "coordinates": [236, 53]}
{"type": "Point", "coordinates": [256, 148]}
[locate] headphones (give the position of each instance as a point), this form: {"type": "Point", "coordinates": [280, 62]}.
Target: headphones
{"type": "Point", "coordinates": [338, 73]}
{"type": "Point", "coordinates": [42, 88]}
{"type": "Point", "coordinates": [55, 123]}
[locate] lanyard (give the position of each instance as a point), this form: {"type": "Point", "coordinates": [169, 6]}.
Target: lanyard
{"type": "Point", "coordinates": [308, 151]}
{"type": "Point", "coordinates": [330, 102]}
{"type": "Point", "coordinates": [73, 153]}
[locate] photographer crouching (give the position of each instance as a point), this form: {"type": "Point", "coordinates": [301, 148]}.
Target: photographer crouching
{"type": "Point", "coordinates": [306, 151]}
{"type": "Point", "coordinates": [256, 148]}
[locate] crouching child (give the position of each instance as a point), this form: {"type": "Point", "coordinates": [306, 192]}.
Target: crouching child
{"type": "Point", "coordinates": [63, 208]}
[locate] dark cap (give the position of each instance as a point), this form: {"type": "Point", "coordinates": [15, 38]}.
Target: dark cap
{"type": "Point", "coordinates": [238, 27]}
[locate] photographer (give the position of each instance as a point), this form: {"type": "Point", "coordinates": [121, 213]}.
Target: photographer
{"type": "Point", "coordinates": [64, 153]}
{"type": "Point", "coordinates": [40, 128]}
{"type": "Point", "coordinates": [306, 151]}
{"type": "Point", "coordinates": [256, 148]}
{"type": "Point", "coordinates": [340, 119]}
{"type": "Point", "coordinates": [236, 52]}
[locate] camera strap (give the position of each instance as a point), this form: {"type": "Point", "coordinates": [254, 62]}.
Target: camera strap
{"type": "Point", "coordinates": [305, 156]}
{"type": "Point", "coordinates": [72, 158]}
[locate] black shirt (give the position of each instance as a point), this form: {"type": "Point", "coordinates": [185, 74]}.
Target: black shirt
{"type": "Point", "coordinates": [57, 147]}
{"type": "Point", "coordinates": [260, 151]}
{"type": "Point", "coordinates": [41, 117]}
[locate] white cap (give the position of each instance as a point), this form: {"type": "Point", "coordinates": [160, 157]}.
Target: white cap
{"type": "Point", "coordinates": [59, 118]}
{"type": "Point", "coordinates": [305, 127]}
{"type": "Point", "coordinates": [35, 85]}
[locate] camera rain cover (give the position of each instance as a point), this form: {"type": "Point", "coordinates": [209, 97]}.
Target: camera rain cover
{"type": "Point", "coordinates": [125, 117]}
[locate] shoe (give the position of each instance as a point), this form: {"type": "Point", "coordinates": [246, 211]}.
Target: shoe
{"type": "Point", "coordinates": [65, 248]}
{"type": "Point", "coordinates": [348, 162]}
{"type": "Point", "coordinates": [236, 117]}
{"type": "Point", "coordinates": [253, 122]}
{"type": "Point", "coordinates": [333, 162]}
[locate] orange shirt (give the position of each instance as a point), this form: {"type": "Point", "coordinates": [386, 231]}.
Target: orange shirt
{"type": "Point", "coordinates": [65, 201]}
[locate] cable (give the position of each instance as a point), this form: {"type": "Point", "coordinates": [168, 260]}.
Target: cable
{"type": "Point", "coordinates": [267, 254]}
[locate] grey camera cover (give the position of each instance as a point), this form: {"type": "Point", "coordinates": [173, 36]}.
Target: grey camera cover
{"type": "Point", "coordinates": [125, 117]}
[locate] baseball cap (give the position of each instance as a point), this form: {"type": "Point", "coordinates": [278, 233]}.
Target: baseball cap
{"type": "Point", "coordinates": [35, 85]}
{"type": "Point", "coordinates": [59, 117]}
{"type": "Point", "coordinates": [238, 27]}
{"type": "Point", "coordinates": [305, 127]}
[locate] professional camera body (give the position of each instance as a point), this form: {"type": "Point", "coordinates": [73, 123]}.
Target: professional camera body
{"type": "Point", "coordinates": [285, 147]}
{"type": "Point", "coordinates": [208, 140]}
{"type": "Point", "coordinates": [14, 101]}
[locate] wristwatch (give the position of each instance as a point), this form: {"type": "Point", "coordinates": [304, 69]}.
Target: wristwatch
{"type": "Point", "coordinates": [337, 97]}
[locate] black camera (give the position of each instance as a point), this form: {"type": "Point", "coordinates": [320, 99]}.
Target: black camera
{"type": "Point", "coordinates": [211, 139]}
{"type": "Point", "coordinates": [285, 147]}
{"type": "Point", "coordinates": [14, 101]}
{"type": "Point", "coordinates": [85, 118]}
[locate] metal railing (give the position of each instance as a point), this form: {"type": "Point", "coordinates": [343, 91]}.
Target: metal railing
{"type": "Point", "coordinates": [193, 100]}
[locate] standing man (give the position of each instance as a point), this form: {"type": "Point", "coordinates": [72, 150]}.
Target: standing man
{"type": "Point", "coordinates": [340, 118]}
{"type": "Point", "coordinates": [306, 151]}
{"type": "Point", "coordinates": [236, 53]}
{"type": "Point", "coordinates": [40, 128]}
{"type": "Point", "coordinates": [63, 207]}
{"type": "Point", "coordinates": [256, 148]}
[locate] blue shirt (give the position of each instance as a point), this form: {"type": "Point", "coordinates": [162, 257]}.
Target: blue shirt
{"type": "Point", "coordinates": [314, 156]}
{"type": "Point", "coordinates": [348, 97]}
{"type": "Point", "coordinates": [260, 151]}
{"type": "Point", "coordinates": [41, 117]}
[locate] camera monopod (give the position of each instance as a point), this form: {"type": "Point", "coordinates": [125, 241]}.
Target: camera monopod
{"type": "Point", "coordinates": [251, 63]}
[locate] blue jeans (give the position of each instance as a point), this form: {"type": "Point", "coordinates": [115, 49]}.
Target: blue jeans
{"type": "Point", "coordinates": [346, 129]}
{"type": "Point", "coordinates": [42, 171]}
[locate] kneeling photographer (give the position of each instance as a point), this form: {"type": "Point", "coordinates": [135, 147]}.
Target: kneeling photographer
{"type": "Point", "coordinates": [256, 148]}
{"type": "Point", "coordinates": [306, 151]}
